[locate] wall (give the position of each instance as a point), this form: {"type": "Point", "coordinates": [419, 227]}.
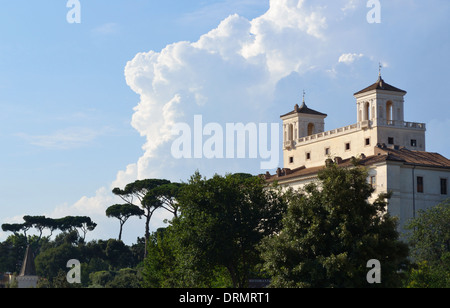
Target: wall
{"type": "Point", "coordinates": [398, 178]}
{"type": "Point", "coordinates": [336, 141]}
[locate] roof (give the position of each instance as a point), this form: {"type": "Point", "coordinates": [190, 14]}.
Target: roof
{"type": "Point", "coordinates": [417, 158]}
{"type": "Point", "coordinates": [28, 268]}
{"type": "Point", "coordinates": [382, 154]}
{"type": "Point", "coordinates": [305, 110]}
{"type": "Point", "coordinates": [381, 85]}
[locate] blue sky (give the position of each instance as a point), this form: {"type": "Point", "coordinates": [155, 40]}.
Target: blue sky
{"type": "Point", "coordinates": [87, 107]}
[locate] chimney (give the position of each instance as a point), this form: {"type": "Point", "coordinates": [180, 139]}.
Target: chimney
{"type": "Point", "coordinates": [279, 172]}
{"type": "Point", "coordinates": [287, 171]}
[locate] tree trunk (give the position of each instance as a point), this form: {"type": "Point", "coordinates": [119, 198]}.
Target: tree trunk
{"type": "Point", "coordinates": [147, 231]}
{"type": "Point", "coordinates": [120, 231]}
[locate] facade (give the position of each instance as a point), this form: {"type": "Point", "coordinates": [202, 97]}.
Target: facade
{"type": "Point", "coordinates": [5, 279]}
{"type": "Point", "coordinates": [393, 150]}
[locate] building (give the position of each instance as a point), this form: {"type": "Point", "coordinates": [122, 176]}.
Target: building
{"type": "Point", "coordinates": [393, 150]}
{"type": "Point", "coordinates": [5, 280]}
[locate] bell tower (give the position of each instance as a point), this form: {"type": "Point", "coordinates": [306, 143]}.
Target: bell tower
{"type": "Point", "coordinates": [380, 104]}
{"type": "Point", "coordinates": [380, 109]}
{"type": "Point", "coordinates": [301, 122]}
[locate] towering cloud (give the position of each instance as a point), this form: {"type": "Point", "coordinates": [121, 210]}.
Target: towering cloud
{"type": "Point", "coordinates": [228, 75]}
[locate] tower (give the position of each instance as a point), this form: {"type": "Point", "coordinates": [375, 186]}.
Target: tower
{"type": "Point", "coordinates": [380, 107]}
{"type": "Point", "coordinates": [380, 104]}
{"type": "Point", "coordinates": [27, 277]}
{"type": "Point", "coordinates": [301, 122]}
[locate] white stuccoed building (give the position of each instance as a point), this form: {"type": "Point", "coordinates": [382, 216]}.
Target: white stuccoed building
{"type": "Point", "coordinates": [393, 150]}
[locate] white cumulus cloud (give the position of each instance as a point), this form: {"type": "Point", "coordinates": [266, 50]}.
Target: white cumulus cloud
{"type": "Point", "coordinates": [349, 58]}
{"type": "Point", "coordinates": [229, 75]}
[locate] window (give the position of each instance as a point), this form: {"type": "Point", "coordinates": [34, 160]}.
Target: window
{"type": "Point", "coordinates": [367, 142]}
{"type": "Point", "coordinates": [443, 186]}
{"type": "Point", "coordinates": [327, 151]}
{"type": "Point", "coordinates": [291, 159]}
{"type": "Point", "coordinates": [413, 142]}
{"type": "Point", "coordinates": [390, 140]}
{"type": "Point", "coordinates": [389, 115]}
{"type": "Point", "coordinates": [291, 132]}
{"type": "Point", "coordinates": [308, 155]}
{"type": "Point", "coordinates": [366, 111]}
{"type": "Point", "coordinates": [373, 181]}
{"type": "Point", "coordinates": [347, 146]}
{"type": "Point", "coordinates": [310, 129]}
{"type": "Point", "coordinates": [420, 184]}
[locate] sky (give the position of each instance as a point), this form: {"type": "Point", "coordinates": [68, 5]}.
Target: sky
{"type": "Point", "coordinates": [92, 105]}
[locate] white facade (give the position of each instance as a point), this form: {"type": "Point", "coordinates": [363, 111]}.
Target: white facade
{"type": "Point", "coordinates": [392, 149]}
{"type": "Point", "coordinates": [380, 120]}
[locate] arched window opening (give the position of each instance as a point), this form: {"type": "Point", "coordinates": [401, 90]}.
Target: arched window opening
{"type": "Point", "coordinates": [310, 129]}
{"type": "Point", "coordinates": [291, 132]}
{"type": "Point", "coordinates": [366, 111]}
{"type": "Point", "coordinates": [389, 115]}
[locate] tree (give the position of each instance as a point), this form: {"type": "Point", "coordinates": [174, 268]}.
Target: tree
{"type": "Point", "coordinates": [16, 228]}
{"type": "Point", "coordinates": [40, 223]}
{"type": "Point", "coordinates": [118, 254]}
{"type": "Point", "coordinates": [429, 239]}
{"type": "Point", "coordinates": [71, 223]}
{"type": "Point", "coordinates": [222, 221]}
{"type": "Point", "coordinates": [54, 259]}
{"type": "Point", "coordinates": [67, 223]}
{"type": "Point", "coordinates": [12, 251]}
{"type": "Point", "coordinates": [123, 212]}
{"type": "Point", "coordinates": [331, 231]}
{"type": "Point", "coordinates": [149, 203]}
{"type": "Point", "coordinates": [85, 224]}
{"type": "Point", "coordinates": [429, 234]}
{"type": "Point", "coordinates": [167, 194]}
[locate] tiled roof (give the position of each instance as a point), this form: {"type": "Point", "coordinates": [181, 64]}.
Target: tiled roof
{"type": "Point", "coordinates": [305, 110]}
{"type": "Point", "coordinates": [382, 154]}
{"type": "Point", "coordinates": [420, 158]}
{"type": "Point", "coordinates": [381, 85]}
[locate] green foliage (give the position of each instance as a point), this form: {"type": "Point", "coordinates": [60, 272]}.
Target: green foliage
{"type": "Point", "coordinates": [228, 229]}
{"type": "Point", "coordinates": [11, 253]}
{"type": "Point", "coordinates": [101, 278]}
{"type": "Point", "coordinates": [69, 223]}
{"type": "Point", "coordinates": [95, 256]}
{"type": "Point", "coordinates": [329, 233]}
{"type": "Point", "coordinates": [123, 212]}
{"type": "Point", "coordinates": [123, 279]}
{"type": "Point", "coordinates": [147, 192]}
{"type": "Point", "coordinates": [429, 234]}
{"type": "Point", "coordinates": [425, 275]}
{"type": "Point", "coordinates": [168, 265]}
{"type": "Point", "coordinates": [429, 239]}
{"type": "Point", "coordinates": [222, 220]}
